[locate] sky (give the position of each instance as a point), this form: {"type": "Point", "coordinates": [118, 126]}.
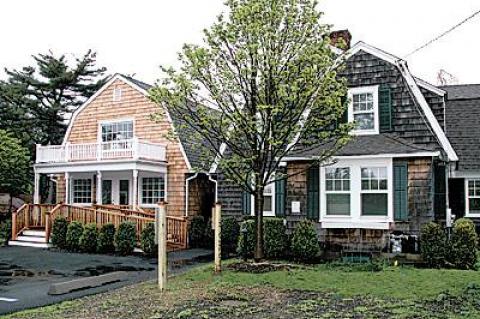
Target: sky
{"type": "Point", "coordinates": [135, 37]}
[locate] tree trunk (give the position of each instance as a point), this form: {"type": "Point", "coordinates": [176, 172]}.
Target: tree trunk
{"type": "Point", "coordinates": [259, 252]}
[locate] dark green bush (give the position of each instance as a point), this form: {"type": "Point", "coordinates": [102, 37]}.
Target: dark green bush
{"type": "Point", "coordinates": [209, 235]}
{"type": "Point", "coordinates": [433, 242]}
{"type": "Point", "coordinates": [275, 236]}
{"type": "Point", "coordinates": [74, 232]}
{"type": "Point", "coordinates": [463, 244]}
{"type": "Point", "coordinates": [148, 240]}
{"type": "Point", "coordinates": [5, 232]}
{"type": "Point", "coordinates": [305, 245]}
{"type": "Point", "coordinates": [59, 232]}
{"type": "Point", "coordinates": [125, 238]}
{"type": "Point", "coordinates": [248, 240]}
{"type": "Point", "coordinates": [88, 240]}
{"type": "Point", "coordinates": [230, 232]}
{"type": "Point", "coordinates": [106, 239]}
{"type": "Point", "coordinates": [196, 232]}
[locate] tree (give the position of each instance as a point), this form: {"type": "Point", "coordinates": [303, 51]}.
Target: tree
{"type": "Point", "coordinates": [263, 85]}
{"type": "Point", "coordinates": [36, 100]}
{"type": "Point", "coordinates": [14, 165]}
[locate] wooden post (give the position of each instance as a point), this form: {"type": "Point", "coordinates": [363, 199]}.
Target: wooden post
{"type": "Point", "coordinates": [218, 238]}
{"type": "Point", "coordinates": [162, 245]}
{"type": "Point", "coordinates": [14, 226]}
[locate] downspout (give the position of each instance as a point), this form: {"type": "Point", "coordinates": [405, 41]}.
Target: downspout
{"type": "Point", "coordinates": [187, 180]}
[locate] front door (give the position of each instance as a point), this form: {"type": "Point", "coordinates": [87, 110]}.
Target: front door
{"type": "Point", "coordinates": [124, 191]}
{"type": "Point", "coordinates": [107, 192]}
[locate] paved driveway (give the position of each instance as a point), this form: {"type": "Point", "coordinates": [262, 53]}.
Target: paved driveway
{"type": "Point", "coordinates": [27, 273]}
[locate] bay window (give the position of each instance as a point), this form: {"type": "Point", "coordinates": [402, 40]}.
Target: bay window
{"type": "Point", "coordinates": [337, 189]}
{"type": "Point", "coordinates": [473, 196]}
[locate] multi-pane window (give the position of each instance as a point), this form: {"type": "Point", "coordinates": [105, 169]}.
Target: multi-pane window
{"type": "Point", "coordinates": [153, 190]}
{"type": "Point", "coordinates": [117, 94]}
{"type": "Point", "coordinates": [374, 194]}
{"type": "Point", "coordinates": [82, 191]}
{"type": "Point", "coordinates": [337, 189]}
{"type": "Point", "coordinates": [364, 111]}
{"type": "Point", "coordinates": [268, 198]}
{"type": "Point", "coordinates": [474, 196]}
{"type": "Point", "coordinates": [117, 131]}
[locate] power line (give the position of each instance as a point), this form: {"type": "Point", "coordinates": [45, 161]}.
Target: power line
{"type": "Point", "coordinates": [444, 33]}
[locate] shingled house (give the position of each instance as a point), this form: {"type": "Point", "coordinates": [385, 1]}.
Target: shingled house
{"type": "Point", "coordinates": [391, 178]}
{"type": "Point", "coordinates": [413, 155]}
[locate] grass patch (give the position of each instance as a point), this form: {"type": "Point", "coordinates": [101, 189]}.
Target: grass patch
{"type": "Point", "coordinates": [320, 291]}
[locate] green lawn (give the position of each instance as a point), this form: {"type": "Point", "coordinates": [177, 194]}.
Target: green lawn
{"type": "Point", "coordinates": [309, 292]}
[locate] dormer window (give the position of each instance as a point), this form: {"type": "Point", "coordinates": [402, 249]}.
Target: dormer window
{"type": "Point", "coordinates": [363, 109]}
{"type": "Point", "coordinates": [117, 94]}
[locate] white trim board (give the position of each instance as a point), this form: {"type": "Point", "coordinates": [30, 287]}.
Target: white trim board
{"type": "Point", "coordinates": [386, 155]}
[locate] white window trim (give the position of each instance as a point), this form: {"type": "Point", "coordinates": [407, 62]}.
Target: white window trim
{"type": "Point", "coordinates": [373, 191]}
{"type": "Point", "coordinates": [140, 189]}
{"type": "Point", "coordinates": [265, 213]}
{"type": "Point", "coordinates": [363, 90]}
{"type": "Point", "coordinates": [467, 198]}
{"type": "Point", "coordinates": [356, 219]}
{"type": "Point", "coordinates": [113, 121]}
{"type": "Point", "coordinates": [72, 192]}
{"type": "Point", "coordinates": [117, 94]}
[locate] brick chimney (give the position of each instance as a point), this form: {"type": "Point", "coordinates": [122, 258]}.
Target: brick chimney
{"type": "Point", "coordinates": [341, 39]}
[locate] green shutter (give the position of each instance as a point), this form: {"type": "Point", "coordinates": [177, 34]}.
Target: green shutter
{"type": "Point", "coordinates": [246, 203]}
{"type": "Point", "coordinates": [280, 186]}
{"type": "Point", "coordinates": [344, 118]}
{"type": "Point", "coordinates": [439, 190]}
{"type": "Point", "coordinates": [400, 191]}
{"type": "Point", "coordinates": [385, 108]}
{"type": "Point", "coordinates": [313, 194]}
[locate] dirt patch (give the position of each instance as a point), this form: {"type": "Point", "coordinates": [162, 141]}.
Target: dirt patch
{"type": "Point", "coordinates": [258, 268]}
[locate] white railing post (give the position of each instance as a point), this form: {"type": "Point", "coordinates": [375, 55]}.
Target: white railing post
{"type": "Point", "coordinates": [37, 153]}
{"type": "Point", "coordinates": [99, 151]}
{"type": "Point", "coordinates": [135, 148]}
{"type": "Point", "coordinates": [67, 151]}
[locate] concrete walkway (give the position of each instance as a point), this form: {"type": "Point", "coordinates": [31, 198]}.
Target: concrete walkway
{"type": "Point", "coordinates": [27, 273]}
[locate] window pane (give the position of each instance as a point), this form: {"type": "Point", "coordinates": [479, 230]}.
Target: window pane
{"type": "Point", "coordinates": [474, 205]}
{"type": "Point", "coordinates": [364, 121]}
{"type": "Point", "coordinates": [338, 204]}
{"type": "Point", "coordinates": [374, 204]}
{"type": "Point", "coordinates": [267, 203]}
{"type": "Point", "coordinates": [365, 184]}
{"type": "Point", "coordinates": [383, 184]}
{"type": "Point", "coordinates": [329, 185]}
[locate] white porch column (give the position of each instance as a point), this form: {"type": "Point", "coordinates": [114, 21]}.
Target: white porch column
{"type": "Point", "coordinates": [36, 190]}
{"type": "Point", "coordinates": [99, 188]}
{"type": "Point", "coordinates": [135, 189]}
{"type": "Point", "coordinates": [67, 188]}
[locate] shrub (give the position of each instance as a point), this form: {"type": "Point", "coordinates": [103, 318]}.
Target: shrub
{"type": "Point", "coordinates": [88, 240]}
{"type": "Point", "coordinates": [148, 240]}
{"type": "Point", "coordinates": [5, 231]}
{"type": "Point", "coordinates": [196, 232]}
{"type": "Point", "coordinates": [275, 236]}
{"type": "Point", "coordinates": [59, 232]}
{"type": "Point", "coordinates": [74, 232]}
{"type": "Point", "coordinates": [463, 245]}
{"type": "Point", "coordinates": [208, 235]}
{"type": "Point", "coordinates": [125, 238]}
{"type": "Point", "coordinates": [247, 241]}
{"type": "Point", "coordinates": [106, 239]}
{"type": "Point", "coordinates": [432, 244]}
{"type": "Point", "coordinates": [305, 245]}
{"type": "Point", "coordinates": [230, 232]}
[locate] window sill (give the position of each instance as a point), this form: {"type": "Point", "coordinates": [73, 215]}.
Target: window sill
{"type": "Point", "coordinates": [377, 224]}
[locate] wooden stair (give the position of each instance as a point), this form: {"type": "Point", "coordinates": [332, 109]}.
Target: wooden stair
{"type": "Point", "coordinates": [31, 238]}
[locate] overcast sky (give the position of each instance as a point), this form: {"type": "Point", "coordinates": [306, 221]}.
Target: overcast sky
{"type": "Point", "coordinates": [135, 37]}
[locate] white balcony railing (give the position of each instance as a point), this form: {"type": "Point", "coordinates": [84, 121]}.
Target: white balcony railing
{"type": "Point", "coordinates": [125, 149]}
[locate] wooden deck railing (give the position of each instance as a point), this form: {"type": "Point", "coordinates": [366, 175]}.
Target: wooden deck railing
{"type": "Point", "coordinates": [30, 216]}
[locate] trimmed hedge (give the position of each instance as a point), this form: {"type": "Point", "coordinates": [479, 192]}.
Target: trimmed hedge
{"type": "Point", "coordinates": [433, 243]}
{"type": "Point", "coordinates": [59, 232]}
{"type": "Point", "coordinates": [305, 246]}
{"type": "Point", "coordinates": [230, 233]}
{"type": "Point", "coordinates": [88, 240]}
{"type": "Point", "coordinates": [275, 237]}
{"type": "Point", "coordinates": [5, 231]}
{"type": "Point", "coordinates": [125, 238]}
{"type": "Point", "coordinates": [148, 240]}
{"type": "Point", "coordinates": [463, 244]}
{"type": "Point", "coordinates": [106, 239]}
{"type": "Point", "coordinates": [74, 232]}
{"type": "Point", "coordinates": [196, 233]}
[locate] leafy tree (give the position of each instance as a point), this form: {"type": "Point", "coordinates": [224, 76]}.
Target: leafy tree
{"type": "Point", "coordinates": [35, 100]}
{"type": "Point", "coordinates": [14, 165]}
{"type": "Point", "coordinates": [263, 84]}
